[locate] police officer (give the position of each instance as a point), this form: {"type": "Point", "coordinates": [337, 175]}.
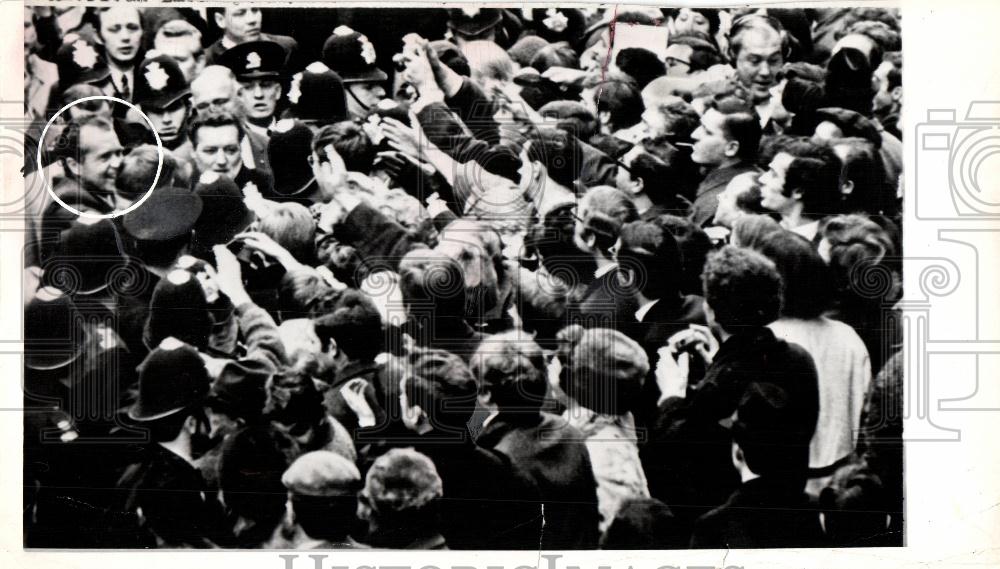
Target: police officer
{"type": "Point", "coordinates": [352, 56]}
{"type": "Point", "coordinates": [258, 68]}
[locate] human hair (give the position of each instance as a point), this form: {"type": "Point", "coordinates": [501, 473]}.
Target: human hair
{"type": "Point", "coordinates": [139, 168]}
{"type": "Point", "coordinates": [859, 249]}
{"type": "Point", "coordinates": [572, 117]}
{"type": "Point", "coordinates": [807, 293]}
{"type": "Point", "coordinates": [605, 371]}
{"type": "Point", "coordinates": [648, 249]}
{"type": "Point", "coordinates": [541, 303]}
{"type": "Point", "coordinates": [644, 523]}
{"type": "Point", "coordinates": [704, 52]}
{"type": "Point", "coordinates": [350, 142]}
{"type": "Point", "coordinates": [512, 370]}
{"type": "Point", "coordinates": [640, 64]}
{"type": "Point", "coordinates": [815, 172]}
{"type": "Point", "coordinates": [863, 167]}
{"type": "Point", "coordinates": [442, 384]}
{"type": "Point", "coordinates": [99, 13]}
{"type": "Point", "coordinates": [558, 151]}
{"type": "Point", "coordinates": [214, 118]}
{"type": "Point", "coordinates": [558, 54]}
{"type": "Point", "coordinates": [749, 200]}
{"type": "Point", "coordinates": [749, 231]}
{"type": "Point", "coordinates": [694, 245]}
{"type": "Point", "coordinates": [325, 517]}
{"type": "Point", "coordinates": [621, 100]}
{"type": "Point", "coordinates": [854, 506]}
{"type": "Point", "coordinates": [78, 91]}
{"type": "Point", "coordinates": [250, 477]}
{"type": "Point", "coordinates": [740, 125]}
{"type": "Point", "coordinates": [710, 14]}
{"type": "Point", "coordinates": [486, 59]}
{"type": "Point", "coordinates": [354, 326]}
{"type": "Point", "coordinates": [681, 119]}
{"type": "Point", "coordinates": [404, 490]}
{"type": "Point", "coordinates": [887, 38]}
{"type": "Point", "coordinates": [742, 287]}
{"type": "Point", "coordinates": [68, 145]}
{"type": "Point", "coordinates": [654, 173]}
{"type": "Point", "coordinates": [301, 293]}
{"type": "Point", "coordinates": [432, 280]}
{"type": "Point", "coordinates": [603, 213]}
{"type": "Point", "coordinates": [291, 225]}
{"type": "Point", "coordinates": [755, 23]}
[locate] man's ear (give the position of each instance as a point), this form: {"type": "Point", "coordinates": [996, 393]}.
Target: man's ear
{"type": "Point", "coordinates": [220, 19]}
{"type": "Point", "coordinates": [897, 93]}
{"type": "Point", "coordinates": [590, 240]}
{"type": "Point", "coordinates": [191, 424]}
{"type": "Point", "coordinates": [796, 195]}
{"type": "Point", "coordinates": [847, 187]}
{"type": "Point", "coordinates": [732, 148]}
{"type": "Point", "coordinates": [604, 117]}
{"type": "Point", "coordinates": [637, 186]}
{"type": "Point", "coordinates": [72, 166]}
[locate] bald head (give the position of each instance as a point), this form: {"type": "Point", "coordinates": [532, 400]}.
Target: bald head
{"type": "Point", "coordinates": [216, 87]}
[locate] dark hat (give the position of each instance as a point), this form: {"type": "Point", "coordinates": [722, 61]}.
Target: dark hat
{"type": "Point", "coordinates": [168, 213]}
{"type": "Point", "coordinates": [171, 378]}
{"type": "Point", "coordinates": [473, 21]}
{"type": "Point", "coordinates": [81, 60]}
{"type": "Point", "coordinates": [179, 308]}
{"type": "Point", "coordinates": [288, 151]}
{"type": "Point", "coordinates": [159, 82]}
{"type": "Point", "coordinates": [255, 60]}
{"type": "Point", "coordinates": [559, 24]}
{"type": "Point", "coordinates": [176, 21]}
{"type": "Point", "coordinates": [53, 330]}
{"type": "Point", "coordinates": [322, 473]}
{"type": "Point", "coordinates": [240, 389]}
{"type": "Point", "coordinates": [352, 56]}
{"type": "Point", "coordinates": [317, 95]}
{"type": "Point", "coordinates": [91, 249]}
{"type": "Point", "coordinates": [224, 214]}
{"type": "Point", "coordinates": [449, 54]}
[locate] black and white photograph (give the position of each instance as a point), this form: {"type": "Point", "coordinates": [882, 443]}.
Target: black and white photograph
{"type": "Point", "coordinates": [462, 277]}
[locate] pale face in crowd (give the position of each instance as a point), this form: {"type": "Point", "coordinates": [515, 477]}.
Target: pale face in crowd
{"type": "Point", "coordinates": [186, 51]}
{"type": "Point", "coordinates": [727, 212]}
{"type": "Point", "coordinates": [217, 149]}
{"type": "Point", "coordinates": [687, 20]}
{"type": "Point", "coordinates": [365, 97]}
{"type": "Point", "coordinates": [885, 98]}
{"type": "Point", "coordinates": [759, 61]}
{"type": "Point", "coordinates": [121, 33]}
{"type": "Point", "coordinates": [260, 98]}
{"type": "Point", "coordinates": [772, 184]}
{"type": "Point", "coordinates": [711, 147]}
{"type": "Point", "coordinates": [30, 37]}
{"type": "Point", "coordinates": [169, 121]}
{"type": "Point", "coordinates": [240, 24]}
{"type": "Point", "coordinates": [214, 91]}
{"type": "Point", "coordinates": [101, 157]}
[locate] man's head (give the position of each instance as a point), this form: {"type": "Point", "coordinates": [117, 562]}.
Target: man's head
{"type": "Point", "coordinates": [888, 78]}
{"type": "Point", "coordinates": [804, 177]}
{"type": "Point", "coordinates": [433, 285]}
{"type": "Point", "coordinates": [353, 330]}
{"type": "Point", "coordinates": [471, 24]}
{"type": "Point", "coordinates": [120, 30]}
{"type": "Point", "coordinates": [92, 152]}
{"type": "Point", "coordinates": [757, 49]}
{"type": "Point", "coordinates": [604, 370]}
{"type": "Point", "coordinates": [650, 259]}
{"type": "Point", "coordinates": [511, 373]}
{"type": "Point", "coordinates": [618, 104]}
{"type": "Point", "coordinates": [162, 92]}
{"type": "Point", "coordinates": [599, 218]}
{"type": "Point", "coordinates": [437, 392]}
{"type": "Point", "coordinates": [215, 88]}
{"type": "Point", "coordinates": [742, 290]}
{"type": "Point", "coordinates": [217, 138]}
{"type": "Point", "coordinates": [741, 197]}
{"type": "Point", "coordinates": [185, 49]}
{"type": "Point", "coordinates": [401, 498]}
{"type": "Point", "coordinates": [668, 116]}
{"type": "Point", "coordinates": [239, 24]}
{"type": "Point", "coordinates": [30, 35]}
{"type": "Point", "coordinates": [351, 55]}
{"type": "Point", "coordinates": [807, 278]}
{"type": "Point", "coordinates": [726, 136]}
{"type": "Point", "coordinates": [322, 489]}
{"type": "Point", "coordinates": [640, 64]}
{"type": "Point", "coordinates": [640, 172]}
{"type": "Point", "coordinates": [350, 142]}
{"type": "Point", "coordinates": [137, 172]}
{"type": "Point", "coordinates": [489, 64]}
{"type": "Point", "coordinates": [258, 68]}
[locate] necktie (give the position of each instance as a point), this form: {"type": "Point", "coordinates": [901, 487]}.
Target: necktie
{"type": "Point", "coordinates": [126, 93]}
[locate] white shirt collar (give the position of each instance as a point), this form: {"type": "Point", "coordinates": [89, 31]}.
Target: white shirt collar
{"type": "Point", "coordinates": [807, 230]}
{"type": "Point", "coordinates": [644, 309]}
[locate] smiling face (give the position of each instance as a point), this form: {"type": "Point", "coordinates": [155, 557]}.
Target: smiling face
{"type": "Point", "coordinates": [260, 98]}
{"type": "Point", "coordinates": [101, 157]}
{"type": "Point", "coordinates": [217, 149]}
{"type": "Point", "coordinates": [759, 61]}
{"type": "Point", "coordinates": [121, 32]}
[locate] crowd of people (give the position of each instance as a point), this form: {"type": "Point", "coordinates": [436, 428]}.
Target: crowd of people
{"type": "Point", "coordinates": [465, 278]}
